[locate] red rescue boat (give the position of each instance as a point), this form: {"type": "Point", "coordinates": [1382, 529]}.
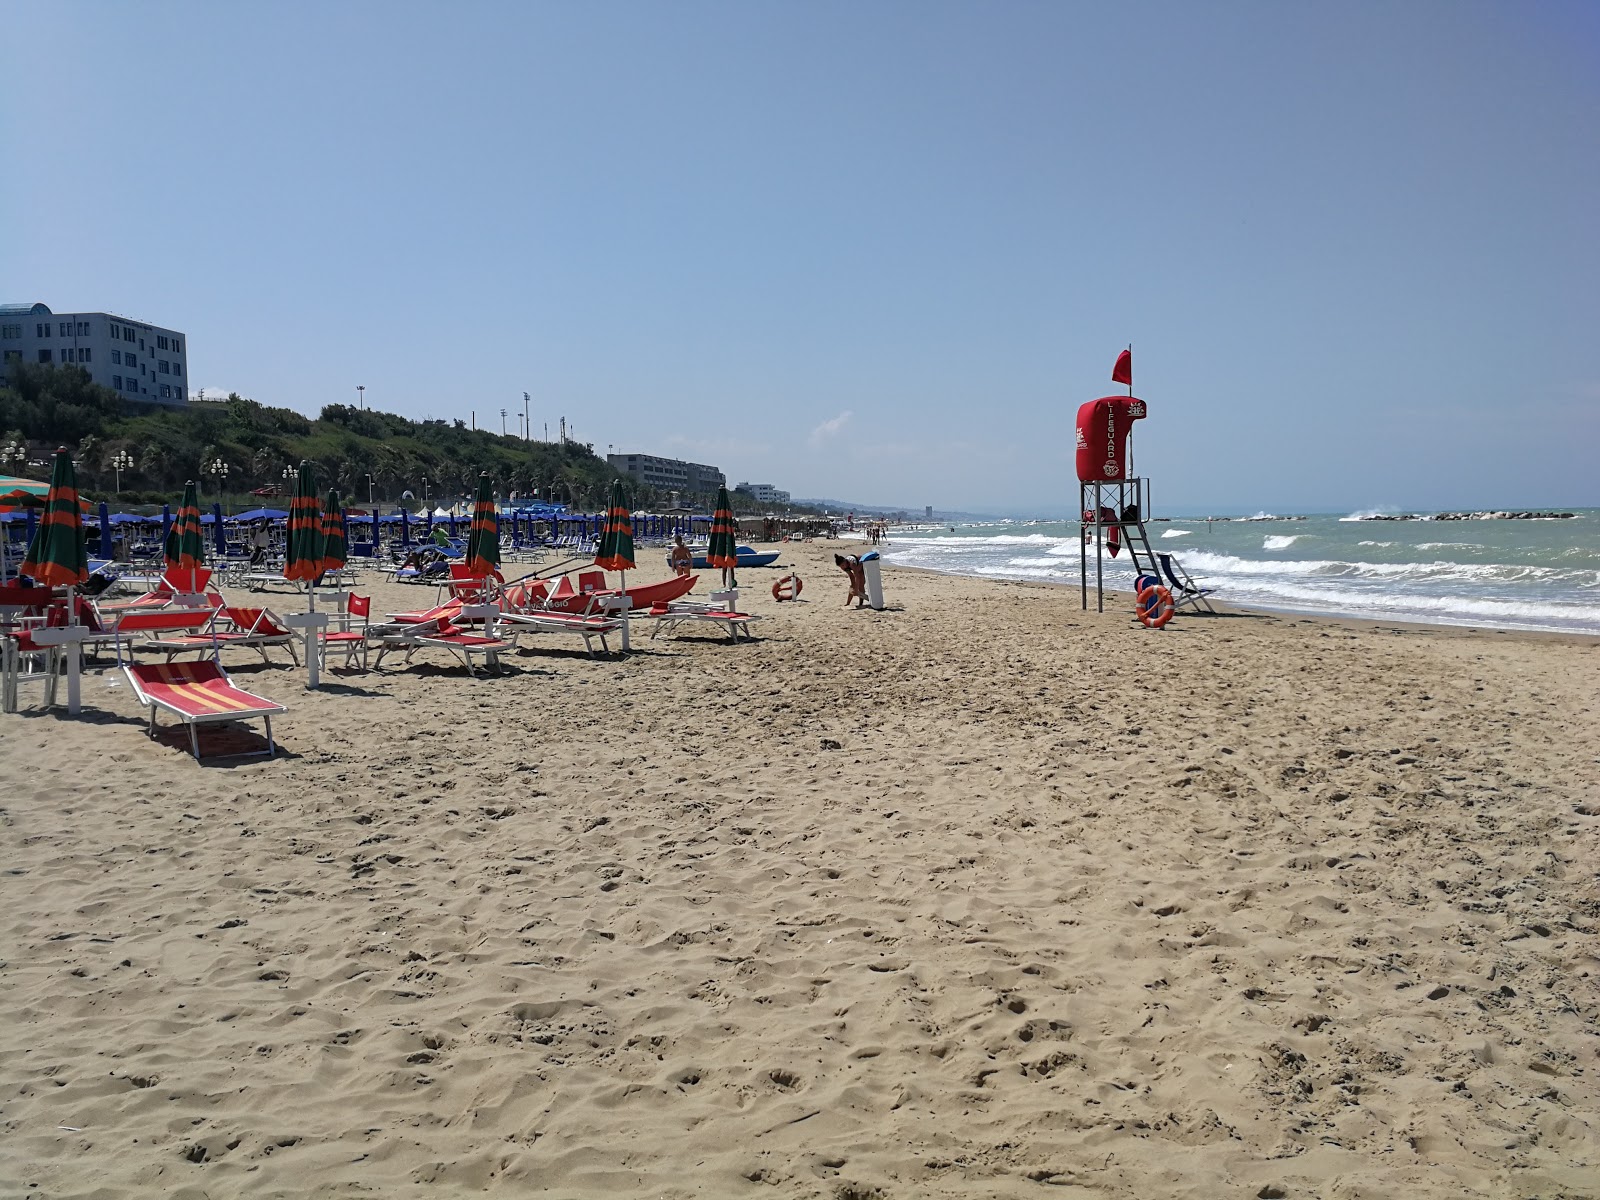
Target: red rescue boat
{"type": "Point", "coordinates": [565, 599]}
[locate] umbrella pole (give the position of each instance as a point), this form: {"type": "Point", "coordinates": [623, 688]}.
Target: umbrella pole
{"type": "Point", "coordinates": [313, 680]}
{"type": "Point", "coordinates": [74, 658]}
{"type": "Point", "coordinates": [627, 606]}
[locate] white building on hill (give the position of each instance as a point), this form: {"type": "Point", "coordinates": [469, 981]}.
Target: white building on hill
{"type": "Point", "coordinates": [142, 362]}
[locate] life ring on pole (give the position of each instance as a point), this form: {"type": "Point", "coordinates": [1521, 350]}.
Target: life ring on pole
{"type": "Point", "coordinates": [1154, 605]}
{"type": "Point", "coordinates": [787, 588]}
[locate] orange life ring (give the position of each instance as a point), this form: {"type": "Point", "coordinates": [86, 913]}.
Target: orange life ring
{"type": "Point", "coordinates": [1154, 606]}
{"type": "Point", "coordinates": [787, 588]}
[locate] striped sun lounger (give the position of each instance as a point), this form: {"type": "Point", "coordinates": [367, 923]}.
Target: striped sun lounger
{"type": "Point", "coordinates": [198, 693]}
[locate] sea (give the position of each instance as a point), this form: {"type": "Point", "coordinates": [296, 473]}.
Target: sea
{"type": "Point", "coordinates": [1539, 574]}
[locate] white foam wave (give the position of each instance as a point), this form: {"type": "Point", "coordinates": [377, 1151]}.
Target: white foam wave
{"type": "Point", "coordinates": [1374, 543]}
{"type": "Point", "coordinates": [1166, 533]}
{"type": "Point", "coordinates": [1279, 541]}
{"type": "Point", "coordinates": [1460, 610]}
{"type": "Point", "coordinates": [1227, 564]}
{"type": "Point", "coordinates": [1449, 545]}
{"type": "Point", "coordinates": [1366, 514]}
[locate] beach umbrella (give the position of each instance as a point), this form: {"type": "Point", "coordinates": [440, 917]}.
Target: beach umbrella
{"type": "Point", "coordinates": [405, 528]}
{"type": "Point", "coordinates": [723, 551]}
{"type": "Point", "coordinates": [615, 551]}
{"type": "Point", "coordinates": [304, 550]}
{"type": "Point", "coordinates": [57, 556]}
{"type": "Point", "coordinates": [186, 546]}
{"type": "Point", "coordinates": [105, 530]}
{"type": "Point", "coordinates": [483, 540]}
{"type": "Point", "coordinates": [166, 523]}
{"type": "Point", "coordinates": [335, 549]}
{"type": "Point", "coordinates": [220, 531]}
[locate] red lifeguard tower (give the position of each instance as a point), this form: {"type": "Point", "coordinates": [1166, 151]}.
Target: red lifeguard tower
{"type": "Point", "coordinates": [1112, 502]}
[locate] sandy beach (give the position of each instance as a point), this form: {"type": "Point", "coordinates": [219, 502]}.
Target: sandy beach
{"type": "Point", "coordinates": [978, 896]}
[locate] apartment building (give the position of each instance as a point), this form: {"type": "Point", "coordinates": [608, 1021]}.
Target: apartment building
{"type": "Point", "coordinates": [142, 362]}
{"type": "Point", "coordinates": [671, 473]}
{"type": "Point", "coordinates": [764, 493]}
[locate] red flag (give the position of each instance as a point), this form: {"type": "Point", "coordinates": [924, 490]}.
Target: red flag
{"type": "Point", "coordinates": [1123, 371]}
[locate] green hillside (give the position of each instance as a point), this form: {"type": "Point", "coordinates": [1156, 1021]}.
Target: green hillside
{"type": "Point", "coordinates": [44, 407]}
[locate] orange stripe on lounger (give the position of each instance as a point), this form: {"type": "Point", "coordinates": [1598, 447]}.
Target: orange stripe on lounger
{"type": "Point", "coordinates": [221, 697]}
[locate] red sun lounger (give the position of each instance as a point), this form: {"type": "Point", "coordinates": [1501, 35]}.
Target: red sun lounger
{"type": "Point", "coordinates": [198, 693]}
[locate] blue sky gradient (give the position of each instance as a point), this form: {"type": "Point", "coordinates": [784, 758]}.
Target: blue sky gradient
{"type": "Point", "coordinates": [880, 252]}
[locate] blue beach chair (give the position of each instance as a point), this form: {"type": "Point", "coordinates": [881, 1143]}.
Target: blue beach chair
{"type": "Point", "coordinates": [1185, 591]}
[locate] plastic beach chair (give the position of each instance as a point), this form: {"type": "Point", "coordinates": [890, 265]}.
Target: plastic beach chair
{"type": "Point", "coordinates": [1185, 591]}
{"type": "Point", "coordinates": [198, 693]}
{"type": "Point", "coordinates": [348, 637]}
{"type": "Point", "coordinates": [470, 587]}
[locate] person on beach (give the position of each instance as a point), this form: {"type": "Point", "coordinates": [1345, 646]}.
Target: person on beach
{"type": "Point", "coordinates": [260, 542]}
{"type": "Point", "coordinates": [850, 564]}
{"type": "Point", "coordinates": [681, 558]}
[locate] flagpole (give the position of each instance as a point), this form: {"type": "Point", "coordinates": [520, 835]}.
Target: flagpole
{"type": "Point", "coordinates": [1130, 474]}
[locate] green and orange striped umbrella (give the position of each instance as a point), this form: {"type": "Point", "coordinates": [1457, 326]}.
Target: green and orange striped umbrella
{"type": "Point", "coordinates": [57, 556]}
{"type": "Point", "coordinates": [615, 552]}
{"type": "Point", "coordinates": [186, 544]}
{"type": "Point", "coordinates": [335, 553]}
{"type": "Point", "coordinates": [303, 561]}
{"type": "Point", "coordinates": [483, 540]}
{"type": "Point", "coordinates": [723, 551]}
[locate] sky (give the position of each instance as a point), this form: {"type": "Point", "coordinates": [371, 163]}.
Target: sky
{"type": "Point", "coordinates": [876, 252]}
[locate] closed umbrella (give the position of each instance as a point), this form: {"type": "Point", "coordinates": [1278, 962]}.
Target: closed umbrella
{"type": "Point", "coordinates": [483, 539]}
{"type": "Point", "coordinates": [186, 545]}
{"type": "Point", "coordinates": [303, 562]}
{"type": "Point", "coordinates": [615, 551]}
{"type": "Point", "coordinates": [723, 551]}
{"type": "Point", "coordinates": [335, 550]}
{"type": "Point", "coordinates": [57, 557]}
{"type": "Point", "coordinates": [105, 530]}
{"type": "Point", "coordinates": [219, 530]}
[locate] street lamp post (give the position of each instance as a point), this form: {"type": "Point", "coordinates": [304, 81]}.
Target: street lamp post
{"type": "Point", "coordinates": [370, 500]}
{"type": "Point", "coordinates": [14, 454]}
{"type": "Point", "coordinates": [219, 469]}
{"type": "Point", "coordinates": [122, 462]}
{"type": "Point", "coordinates": [425, 494]}
{"type": "Point", "coordinates": [502, 422]}
{"type": "Point", "coordinates": [361, 395]}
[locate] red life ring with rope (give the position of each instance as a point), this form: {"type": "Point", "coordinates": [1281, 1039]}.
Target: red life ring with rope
{"type": "Point", "coordinates": [787, 588]}
{"type": "Point", "coordinates": [1154, 605]}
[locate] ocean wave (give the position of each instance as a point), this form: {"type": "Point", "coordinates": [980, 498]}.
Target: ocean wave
{"type": "Point", "coordinates": [1518, 613]}
{"type": "Point", "coordinates": [1279, 541]}
{"type": "Point", "coordinates": [1375, 543]}
{"type": "Point", "coordinates": [1175, 533]}
{"type": "Point", "coordinates": [1435, 572]}
{"type": "Point", "coordinates": [1366, 514]}
{"type": "Point", "coordinates": [1449, 545]}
